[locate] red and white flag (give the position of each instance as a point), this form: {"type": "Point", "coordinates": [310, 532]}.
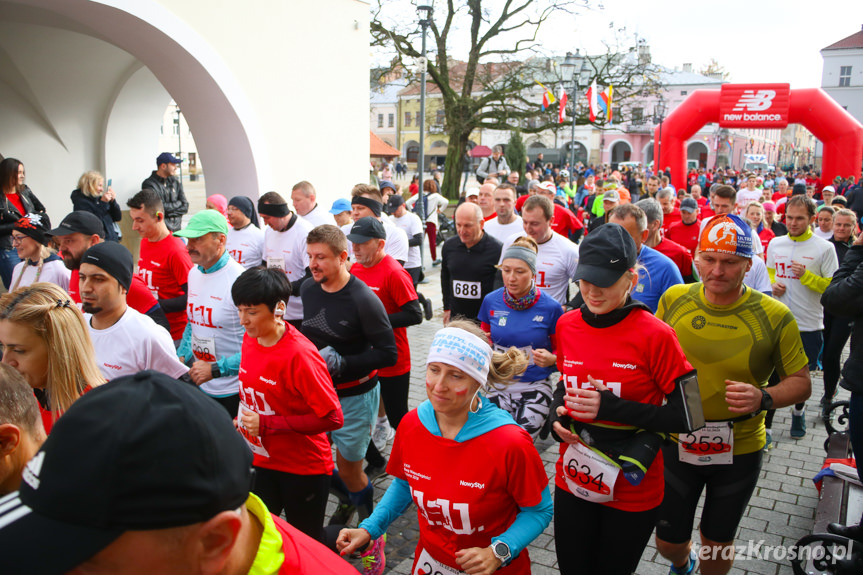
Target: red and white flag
{"type": "Point", "coordinates": [561, 118]}
{"type": "Point", "coordinates": [592, 100]}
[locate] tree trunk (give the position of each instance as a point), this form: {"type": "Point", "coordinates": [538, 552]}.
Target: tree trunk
{"type": "Point", "coordinates": [454, 167]}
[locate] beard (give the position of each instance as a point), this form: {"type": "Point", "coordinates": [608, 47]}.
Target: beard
{"type": "Point", "coordinates": [90, 308]}
{"type": "Point", "coordinates": [71, 262]}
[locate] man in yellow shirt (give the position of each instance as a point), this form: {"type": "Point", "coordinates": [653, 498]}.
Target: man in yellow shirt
{"type": "Point", "coordinates": [734, 337]}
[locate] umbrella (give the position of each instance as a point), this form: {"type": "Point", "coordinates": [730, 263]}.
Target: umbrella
{"type": "Point", "coordinates": [480, 152]}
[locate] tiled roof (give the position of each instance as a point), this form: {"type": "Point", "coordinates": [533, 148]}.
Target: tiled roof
{"type": "Point", "coordinates": [853, 41]}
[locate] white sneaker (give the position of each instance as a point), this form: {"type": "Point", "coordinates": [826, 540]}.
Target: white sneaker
{"type": "Point", "coordinates": [382, 433]}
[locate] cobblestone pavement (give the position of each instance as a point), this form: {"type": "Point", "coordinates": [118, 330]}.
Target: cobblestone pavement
{"type": "Point", "coordinates": [780, 512]}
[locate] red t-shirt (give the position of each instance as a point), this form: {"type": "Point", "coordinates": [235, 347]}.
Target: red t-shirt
{"type": "Point", "coordinates": [676, 253]}
{"type": "Point", "coordinates": [164, 266]}
{"type": "Point", "coordinates": [669, 219]}
{"type": "Point", "coordinates": [685, 234]}
{"type": "Point", "coordinates": [305, 556]}
{"type": "Point", "coordinates": [467, 492]}
{"type": "Point", "coordinates": [16, 201]}
{"type": "Point", "coordinates": [565, 221]}
{"type": "Point", "coordinates": [641, 369]}
{"type": "Point", "coordinates": [289, 378]}
{"type": "Point", "coordinates": [394, 287]}
{"type": "Point", "coordinates": [707, 211]}
{"type": "Point", "coordinates": [519, 203]}
{"type": "Point", "coordinates": [48, 415]}
{"type": "Point", "coordinates": [138, 297]}
{"type": "Point", "coordinates": [491, 217]}
{"type": "Point", "coordinates": [765, 235]}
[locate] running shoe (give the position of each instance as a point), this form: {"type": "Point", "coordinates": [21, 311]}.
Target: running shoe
{"type": "Point", "coordinates": [825, 408]}
{"type": "Point", "coordinates": [382, 433]}
{"type": "Point", "coordinates": [798, 425]}
{"type": "Point", "coordinates": [690, 567]}
{"type": "Point", "coordinates": [427, 307]}
{"type": "Point", "coordinates": [769, 444]}
{"type": "Point", "coordinates": [343, 514]}
{"type": "Point", "coordinates": [374, 471]}
{"type": "Point", "coordinates": [374, 560]}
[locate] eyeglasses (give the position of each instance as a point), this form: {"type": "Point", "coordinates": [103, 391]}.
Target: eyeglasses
{"type": "Point", "coordinates": [17, 239]}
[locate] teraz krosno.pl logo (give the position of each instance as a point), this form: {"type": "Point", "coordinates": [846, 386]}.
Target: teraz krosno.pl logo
{"type": "Point", "coordinates": [750, 103]}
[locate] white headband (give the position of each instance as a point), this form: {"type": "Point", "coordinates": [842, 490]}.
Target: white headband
{"type": "Point", "coordinates": [463, 350]}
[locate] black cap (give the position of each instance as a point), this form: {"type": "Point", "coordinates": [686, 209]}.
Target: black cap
{"type": "Point", "coordinates": [798, 189]}
{"type": "Point", "coordinates": [688, 205]}
{"type": "Point", "coordinates": [395, 201]}
{"type": "Point", "coordinates": [141, 452]}
{"type": "Point", "coordinates": [365, 229]}
{"type": "Point", "coordinates": [605, 254]}
{"type": "Point", "coordinates": [79, 222]}
{"type": "Point", "coordinates": [114, 258]}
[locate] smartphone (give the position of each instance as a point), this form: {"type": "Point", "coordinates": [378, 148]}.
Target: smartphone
{"type": "Point", "coordinates": [110, 181]}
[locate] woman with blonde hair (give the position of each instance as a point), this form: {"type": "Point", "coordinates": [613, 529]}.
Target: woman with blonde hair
{"type": "Point", "coordinates": [44, 337]}
{"type": "Point", "coordinates": [521, 315]}
{"type": "Point", "coordinates": [478, 483]}
{"type": "Point", "coordinates": [38, 263]}
{"type": "Point", "coordinates": [91, 196]}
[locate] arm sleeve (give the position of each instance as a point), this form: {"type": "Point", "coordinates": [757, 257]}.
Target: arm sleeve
{"type": "Point", "coordinates": [814, 282]}
{"type": "Point", "coordinates": [528, 525]}
{"type": "Point", "coordinates": [844, 295]}
{"type": "Point", "coordinates": [307, 424]}
{"type": "Point", "coordinates": [378, 332]}
{"type": "Point", "coordinates": [115, 210]}
{"type": "Point", "coordinates": [482, 169]}
{"type": "Point", "coordinates": [410, 314]}
{"type": "Point", "coordinates": [175, 304]}
{"type": "Point", "coordinates": [297, 285]}
{"type": "Point", "coordinates": [445, 283]}
{"type": "Point", "coordinates": [771, 273]}
{"type": "Point", "coordinates": [392, 504]}
{"type": "Point", "coordinates": [157, 314]}
{"type": "Point", "coordinates": [184, 350]}
{"type": "Point", "coordinates": [557, 401]}
{"type": "Point", "coordinates": [670, 418]}
{"type": "Point", "coordinates": [229, 365]}
{"type": "Point", "coordinates": [416, 240]}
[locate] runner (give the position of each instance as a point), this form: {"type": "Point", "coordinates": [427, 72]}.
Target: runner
{"type": "Point", "coordinates": [287, 404]}
{"type": "Point", "coordinates": [507, 221]}
{"type": "Point", "coordinates": [213, 336]}
{"type": "Point", "coordinates": [824, 222]}
{"type": "Point", "coordinates": [123, 513]}
{"type": "Point", "coordinates": [45, 339]}
{"type": "Point", "coordinates": [367, 202]}
{"type": "Point", "coordinates": [125, 340]}
{"type": "Point", "coordinates": [412, 226]}
{"type": "Point", "coordinates": [685, 232]}
{"type": "Point", "coordinates": [608, 408]}
{"type": "Point", "coordinates": [21, 429]}
{"type": "Point", "coordinates": [38, 263]}
{"type": "Point", "coordinates": [758, 335]}
{"type": "Point", "coordinates": [476, 479]}
{"type": "Point", "coordinates": [245, 236]}
{"type": "Point", "coordinates": [163, 262]}
{"type": "Point", "coordinates": [521, 315]}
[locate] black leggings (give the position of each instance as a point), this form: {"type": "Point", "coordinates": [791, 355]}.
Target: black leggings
{"type": "Point", "coordinates": [591, 538]}
{"type": "Point", "coordinates": [231, 403]}
{"type": "Point", "coordinates": [837, 330]}
{"type": "Point", "coordinates": [394, 394]}
{"type": "Point", "coordinates": [303, 498]}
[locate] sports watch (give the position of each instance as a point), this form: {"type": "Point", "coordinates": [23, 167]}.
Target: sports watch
{"type": "Point", "coordinates": [217, 373]}
{"type": "Point", "coordinates": [501, 551]}
{"type": "Point", "coordinates": [766, 400]}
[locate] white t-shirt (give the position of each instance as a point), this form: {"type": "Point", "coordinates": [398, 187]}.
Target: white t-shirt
{"type": "Point", "coordinates": [757, 277]}
{"type": "Point", "coordinates": [823, 235]}
{"type": "Point", "coordinates": [287, 251]}
{"type": "Point", "coordinates": [216, 328]}
{"type": "Point", "coordinates": [397, 240]}
{"type": "Point", "coordinates": [757, 246]}
{"type": "Point", "coordinates": [556, 261]}
{"type": "Point", "coordinates": [501, 232]}
{"type": "Point", "coordinates": [411, 224]}
{"type": "Point", "coordinates": [819, 257]}
{"type": "Point", "coordinates": [53, 271]}
{"type": "Point", "coordinates": [246, 245]}
{"type": "Point", "coordinates": [745, 197]}
{"type": "Point", "coordinates": [133, 344]}
{"type": "Point", "coordinates": [319, 216]}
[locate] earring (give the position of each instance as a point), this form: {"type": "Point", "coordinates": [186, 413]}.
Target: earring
{"type": "Point", "coordinates": [478, 401]}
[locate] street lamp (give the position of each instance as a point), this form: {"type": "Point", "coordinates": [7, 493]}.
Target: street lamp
{"type": "Point", "coordinates": [659, 117]}
{"type": "Point", "coordinates": [179, 140]}
{"type": "Point", "coordinates": [571, 70]}
{"type": "Point", "coordinates": [424, 10]}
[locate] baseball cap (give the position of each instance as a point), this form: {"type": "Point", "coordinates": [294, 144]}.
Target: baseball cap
{"type": "Point", "coordinates": [548, 187]}
{"type": "Point", "coordinates": [471, 192]}
{"type": "Point", "coordinates": [395, 201]}
{"type": "Point", "coordinates": [340, 205]}
{"type": "Point", "coordinates": [386, 184]}
{"type": "Point", "coordinates": [365, 229]}
{"type": "Point", "coordinates": [80, 223]}
{"type": "Point", "coordinates": [168, 158]}
{"type": "Point", "coordinates": [141, 452]}
{"type": "Point", "coordinates": [726, 234]}
{"type": "Point", "coordinates": [611, 196]}
{"type": "Point", "coordinates": [605, 254]}
{"type": "Point", "coordinates": [688, 205]}
{"type": "Point", "coordinates": [204, 222]}
{"type": "Point", "coordinates": [114, 258]}
{"type": "Point", "coordinates": [829, 189]}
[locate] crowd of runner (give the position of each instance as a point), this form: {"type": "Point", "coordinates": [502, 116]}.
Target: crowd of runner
{"type": "Point", "coordinates": [194, 410]}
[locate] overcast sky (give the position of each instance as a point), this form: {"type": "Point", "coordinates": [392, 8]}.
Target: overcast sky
{"type": "Point", "coordinates": [754, 40]}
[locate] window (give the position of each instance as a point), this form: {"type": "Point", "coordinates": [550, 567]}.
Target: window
{"type": "Point", "coordinates": [380, 120]}
{"type": "Point", "coordinates": [844, 76]}
{"type": "Point", "coordinates": [440, 116]}
{"type": "Point", "coordinates": [390, 120]}
{"type": "Point", "coordinates": [615, 114]}
{"type": "Point", "coordinates": [176, 126]}
{"type": "Point", "coordinates": [407, 119]}
{"type": "Point", "coordinates": [637, 115]}
{"type": "Point", "coordinates": [684, 92]}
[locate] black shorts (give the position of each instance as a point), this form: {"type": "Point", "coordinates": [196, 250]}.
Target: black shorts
{"type": "Point", "coordinates": [729, 488]}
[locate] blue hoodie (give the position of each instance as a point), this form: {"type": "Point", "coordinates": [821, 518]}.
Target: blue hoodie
{"type": "Point", "coordinates": [529, 522]}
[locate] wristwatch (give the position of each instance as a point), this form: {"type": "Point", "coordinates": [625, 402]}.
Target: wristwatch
{"type": "Point", "coordinates": [217, 373]}
{"type": "Point", "coordinates": [766, 400]}
{"type": "Point", "coordinates": [501, 551]}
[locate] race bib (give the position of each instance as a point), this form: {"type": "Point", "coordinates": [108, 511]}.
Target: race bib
{"type": "Point", "coordinates": [427, 565]}
{"type": "Point", "coordinates": [204, 348]}
{"type": "Point", "coordinates": [276, 263]}
{"type": "Point", "coordinates": [526, 350]}
{"type": "Point", "coordinates": [588, 475]}
{"type": "Point", "coordinates": [466, 290]}
{"type": "Point", "coordinates": [713, 444]}
{"type": "Point", "coordinates": [254, 443]}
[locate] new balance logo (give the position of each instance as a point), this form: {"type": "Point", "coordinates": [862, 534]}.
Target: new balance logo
{"type": "Point", "coordinates": [538, 318]}
{"type": "Point", "coordinates": [753, 101]}
{"type": "Point", "coordinates": [31, 472]}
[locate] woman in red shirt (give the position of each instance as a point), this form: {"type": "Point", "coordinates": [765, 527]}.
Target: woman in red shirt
{"type": "Point", "coordinates": [45, 339]}
{"type": "Point", "coordinates": [609, 414]}
{"type": "Point", "coordinates": [16, 201]}
{"type": "Point", "coordinates": [755, 215]}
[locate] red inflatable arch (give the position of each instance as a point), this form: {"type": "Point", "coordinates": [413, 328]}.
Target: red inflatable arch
{"type": "Point", "coordinates": [771, 106]}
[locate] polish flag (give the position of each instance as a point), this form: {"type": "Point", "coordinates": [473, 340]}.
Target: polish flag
{"type": "Point", "coordinates": [592, 101]}
{"type": "Point", "coordinates": [562, 115]}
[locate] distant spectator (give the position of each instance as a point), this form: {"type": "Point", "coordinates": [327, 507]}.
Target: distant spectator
{"type": "Point", "coordinates": [91, 196]}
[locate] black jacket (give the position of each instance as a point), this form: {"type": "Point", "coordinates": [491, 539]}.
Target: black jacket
{"type": "Point", "coordinates": [476, 265]}
{"type": "Point", "coordinates": [9, 214]}
{"type": "Point", "coordinates": [173, 198]}
{"type": "Point", "coordinates": [108, 212]}
{"type": "Point", "coordinates": [844, 298]}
